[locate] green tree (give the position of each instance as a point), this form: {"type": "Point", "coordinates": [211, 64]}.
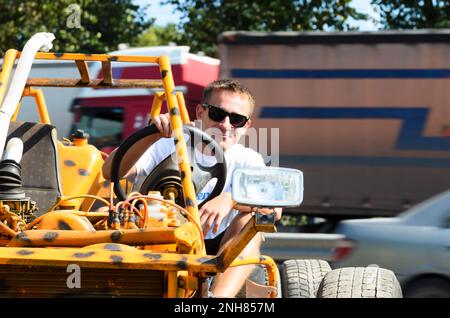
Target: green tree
{"type": "Point", "coordinates": [203, 20]}
{"type": "Point", "coordinates": [410, 14]}
{"type": "Point", "coordinates": [159, 35]}
{"type": "Point", "coordinates": [96, 27]}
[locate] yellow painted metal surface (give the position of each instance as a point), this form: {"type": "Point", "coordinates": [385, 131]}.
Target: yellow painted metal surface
{"type": "Point", "coordinates": [8, 64]}
{"type": "Point", "coordinates": [40, 103]}
{"type": "Point", "coordinates": [137, 259]}
{"type": "Point", "coordinates": [80, 168]}
{"type": "Point", "coordinates": [180, 144]}
{"type": "Point", "coordinates": [187, 237]}
{"type": "Point", "coordinates": [64, 221]}
{"type": "Point", "coordinates": [158, 99]}
{"type": "Point", "coordinates": [61, 238]}
{"type": "Point", "coordinates": [269, 264]}
{"type": "Point", "coordinates": [88, 239]}
{"type": "Point", "coordinates": [183, 110]}
{"type": "Point", "coordinates": [94, 57]}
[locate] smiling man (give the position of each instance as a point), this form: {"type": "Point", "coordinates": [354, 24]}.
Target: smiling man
{"type": "Point", "coordinates": [224, 112]}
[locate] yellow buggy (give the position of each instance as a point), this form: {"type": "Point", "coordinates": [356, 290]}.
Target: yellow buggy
{"type": "Point", "coordinates": [147, 243]}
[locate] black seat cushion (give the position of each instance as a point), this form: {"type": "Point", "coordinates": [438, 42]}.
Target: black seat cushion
{"type": "Point", "coordinates": [40, 168]}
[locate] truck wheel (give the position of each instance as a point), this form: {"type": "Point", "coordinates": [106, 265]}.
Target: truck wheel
{"type": "Point", "coordinates": [428, 288]}
{"type": "Point", "coordinates": [301, 278]}
{"type": "Point", "coordinates": [360, 282]}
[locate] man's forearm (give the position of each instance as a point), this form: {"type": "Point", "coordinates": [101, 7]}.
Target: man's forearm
{"type": "Point", "coordinates": [130, 157]}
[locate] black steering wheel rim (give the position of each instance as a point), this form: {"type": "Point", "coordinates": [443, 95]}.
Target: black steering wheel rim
{"type": "Point", "coordinates": [199, 172]}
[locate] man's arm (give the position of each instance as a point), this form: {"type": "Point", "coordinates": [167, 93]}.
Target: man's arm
{"type": "Point", "coordinates": [214, 211]}
{"type": "Point", "coordinates": [127, 167]}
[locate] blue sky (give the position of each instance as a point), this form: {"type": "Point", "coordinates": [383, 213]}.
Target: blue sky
{"type": "Point", "coordinates": [165, 14]}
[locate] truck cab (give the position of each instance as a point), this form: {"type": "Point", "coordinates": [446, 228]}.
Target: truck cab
{"type": "Point", "coordinates": [109, 116]}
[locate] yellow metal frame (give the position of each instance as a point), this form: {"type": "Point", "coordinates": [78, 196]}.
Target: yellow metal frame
{"type": "Point", "coordinates": [38, 96]}
{"type": "Point", "coordinates": [183, 270]}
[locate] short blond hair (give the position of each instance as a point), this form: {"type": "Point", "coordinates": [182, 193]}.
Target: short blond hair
{"type": "Point", "coordinates": [228, 85]}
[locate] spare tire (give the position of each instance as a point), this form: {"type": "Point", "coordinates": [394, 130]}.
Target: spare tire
{"type": "Point", "coordinates": [360, 282]}
{"type": "Point", "coordinates": [300, 278]}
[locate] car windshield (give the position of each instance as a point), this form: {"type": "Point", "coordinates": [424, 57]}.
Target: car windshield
{"type": "Point", "coordinates": [103, 124]}
{"type": "Point", "coordinates": [431, 212]}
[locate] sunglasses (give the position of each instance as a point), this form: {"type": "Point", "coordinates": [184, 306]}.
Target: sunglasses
{"type": "Point", "coordinates": [218, 114]}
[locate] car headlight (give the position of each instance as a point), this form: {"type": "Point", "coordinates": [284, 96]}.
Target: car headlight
{"type": "Point", "coordinates": [268, 187]}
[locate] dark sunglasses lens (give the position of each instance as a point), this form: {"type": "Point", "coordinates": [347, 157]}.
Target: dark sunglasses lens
{"type": "Point", "coordinates": [237, 120]}
{"type": "Point", "coordinates": [216, 114]}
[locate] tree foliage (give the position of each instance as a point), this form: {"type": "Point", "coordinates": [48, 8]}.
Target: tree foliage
{"type": "Point", "coordinates": [102, 24]}
{"type": "Point", "coordinates": [411, 14]}
{"type": "Point", "coordinates": [203, 20]}
{"type": "Point", "coordinates": [159, 35]}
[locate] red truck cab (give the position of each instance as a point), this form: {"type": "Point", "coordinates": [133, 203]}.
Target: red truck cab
{"type": "Point", "coordinates": [109, 116]}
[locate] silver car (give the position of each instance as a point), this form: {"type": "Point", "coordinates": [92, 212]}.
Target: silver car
{"type": "Point", "coordinates": [415, 245]}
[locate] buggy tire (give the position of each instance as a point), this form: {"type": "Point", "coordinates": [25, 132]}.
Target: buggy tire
{"type": "Point", "coordinates": [301, 278]}
{"type": "Point", "coordinates": [259, 276]}
{"type": "Point", "coordinates": [360, 282]}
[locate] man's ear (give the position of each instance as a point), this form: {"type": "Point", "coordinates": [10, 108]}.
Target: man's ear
{"type": "Point", "coordinates": [199, 111]}
{"type": "Point", "coordinates": [248, 124]}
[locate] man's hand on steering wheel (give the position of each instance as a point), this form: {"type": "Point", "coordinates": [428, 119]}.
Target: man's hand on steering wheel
{"type": "Point", "coordinates": [162, 122]}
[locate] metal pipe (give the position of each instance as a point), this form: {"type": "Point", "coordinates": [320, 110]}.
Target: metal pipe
{"type": "Point", "coordinates": [268, 263]}
{"type": "Point", "coordinates": [54, 238]}
{"type": "Point", "coordinates": [39, 41]}
{"type": "Point", "coordinates": [180, 144]}
{"type": "Point", "coordinates": [8, 64]}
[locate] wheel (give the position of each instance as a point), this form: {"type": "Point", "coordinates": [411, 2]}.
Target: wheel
{"type": "Point", "coordinates": [428, 288]}
{"type": "Point", "coordinates": [259, 276]}
{"type": "Point", "coordinates": [301, 278]}
{"type": "Point", "coordinates": [166, 172]}
{"type": "Point", "coordinates": [360, 282]}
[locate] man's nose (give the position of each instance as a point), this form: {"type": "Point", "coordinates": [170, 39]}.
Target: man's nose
{"type": "Point", "coordinates": [225, 123]}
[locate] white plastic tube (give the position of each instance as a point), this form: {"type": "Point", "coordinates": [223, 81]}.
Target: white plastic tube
{"type": "Point", "coordinates": [14, 150]}
{"type": "Point", "coordinates": [39, 42]}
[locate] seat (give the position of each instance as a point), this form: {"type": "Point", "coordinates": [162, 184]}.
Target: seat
{"type": "Point", "coordinates": [40, 168]}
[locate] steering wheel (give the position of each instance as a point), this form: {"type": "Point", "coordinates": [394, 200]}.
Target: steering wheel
{"type": "Point", "coordinates": [166, 174]}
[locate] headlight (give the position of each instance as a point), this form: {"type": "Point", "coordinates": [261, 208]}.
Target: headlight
{"type": "Point", "coordinates": [268, 187]}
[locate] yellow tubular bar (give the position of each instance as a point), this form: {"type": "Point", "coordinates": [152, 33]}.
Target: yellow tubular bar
{"type": "Point", "coordinates": [78, 238]}
{"type": "Point", "coordinates": [8, 64]}
{"type": "Point", "coordinates": [156, 105]}
{"type": "Point", "coordinates": [101, 258]}
{"type": "Point", "coordinates": [16, 112]}
{"type": "Point", "coordinates": [40, 103]}
{"type": "Point", "coordinates": [183, 110]}
{"type": "Point", "coordinates": [180, 144]}
{"type": "Point", "coordinates": [94, 57]}
{"type": "Point", "coordinates": [172, 284]}
{"type": "Point", "coordinates": [267, 261]}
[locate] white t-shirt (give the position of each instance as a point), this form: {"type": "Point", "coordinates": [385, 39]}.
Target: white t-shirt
{"type": "Point", "coordinates": [237, 156]}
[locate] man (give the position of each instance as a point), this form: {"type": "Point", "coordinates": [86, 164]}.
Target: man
{"type": "Point", "coordinates": [225, 112]}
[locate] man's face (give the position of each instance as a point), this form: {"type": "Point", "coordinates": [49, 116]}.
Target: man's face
{"type": "Point", "coordinates": [223, 132]}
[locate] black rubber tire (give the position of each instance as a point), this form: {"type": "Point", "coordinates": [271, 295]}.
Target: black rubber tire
{"type": "Point", "coordinates": [360, 282]}
{"type": "Point", "coordinates": [433, 287]}
{"type": "Point", "coordinates": [300, 278]}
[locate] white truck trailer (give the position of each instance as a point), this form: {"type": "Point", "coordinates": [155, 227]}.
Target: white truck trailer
{"type": "Point", "coordinates": [365, 116]}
